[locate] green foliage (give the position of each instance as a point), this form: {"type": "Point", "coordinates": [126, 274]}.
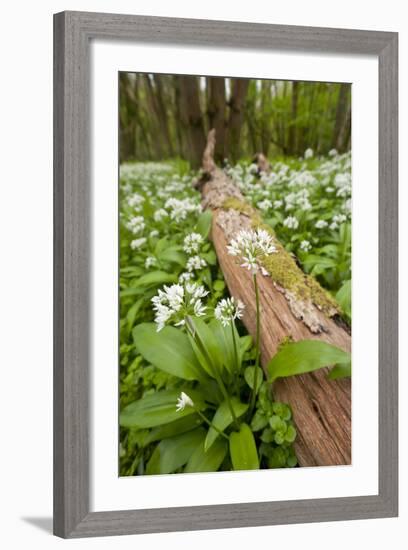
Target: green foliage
{"type": "Point", "coordinates": [211, 363]}
{"type": "Point", "coordinates": [244, 455]}
{"type": "Point", "coordinates": [156, 409]}
{"type": "Point", "coordinates": [304, 356]}
{"type": "Point", "coordinates": [168, 350]}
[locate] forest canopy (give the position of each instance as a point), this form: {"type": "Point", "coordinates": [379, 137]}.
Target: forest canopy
{"type": "Point", "coordinates": [169, 116]}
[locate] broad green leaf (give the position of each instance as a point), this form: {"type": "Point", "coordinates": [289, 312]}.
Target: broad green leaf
{"type": "Point", "coordinates": [225, 341]}
{"type": "Point", "coordinates": [156, 409]}
{"type": "Point", "coordinates": [223, 418]}
{"type": "Point", "coordinates": [243, 451]}
{"type": "Point", "coordinates": [205, 346]}
{"type": "Point", "coordinates": [319, 261]}
{"type": "Point", "coordinates": [342, 370]}
{"type": "Point", "coordinates": [304, 356]}
{"type": "Point", "coordinates": [207, 461]}
{"type": "Point", "coordinates": [173, 254]}
{"type": "Point", "coordinates": [168, 350]}
{"type": "Point", "coordinates": [161, 245]}
{"type": "Point", "coordinates": [204, 223]}
{"type": "Point", "coordinates": [156, 278]}
{"type": "Point", "coordinates": [182, 425]}
{"type": "Point", "coordinates": [249, 375]}
{"type": "Point", "coordinates": [219, 285]}
{"type": "Point", "coordinates": [210, 257]}
{"type": "Point", "coordinates": [343, 297]}
{"type": "Point", "coordinates": [172, 453]}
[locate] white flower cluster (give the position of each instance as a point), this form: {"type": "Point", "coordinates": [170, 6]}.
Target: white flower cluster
{"type": "Point", "coordinates": [181, 208]}
{"type": "Point", "coordinates": [291, 222]}
{"type": "Point", "coordinates": [175, 302]}
{"type": "Point", "coordinates": [321, 224]}
{"type": "Point", "coordinates": [308, 153]}
{"type": "Point", "coordinates": [192, 243]}
{"type": "Point", "coordinates": [136, 201]}
{"type": "Point", "coordinates": [160, 214]}
{"type": "Point", "coordinates": [343, 184]}
{"type": "Point", "coordinates": [196, 263]}
{"type": "Point", "coordinates": [136, 224]}
{"type": "Point", "coordinates": [150, 262]}
{"type": "Point", "coordinates": [265, 205]}
{"type": "Point", "coordinates": [250, 246]}
{"type": "Point", "coordinates": [305, 246]}
{"type": "Point", "coordinates": [229, 309]}
{"type": "Point", "coordinates": [138, 243]}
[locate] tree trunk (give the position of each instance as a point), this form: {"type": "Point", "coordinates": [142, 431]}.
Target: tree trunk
{"type": "Point", "coordinates": [190, 104]}
{"type": "Point", "coordinates": [321, 407]}
{"type": "Point", "coordinates": [239, 88]}
{"type": "Point", "coordinates": [216, 113]}
{"type": "Point", "coordinates": [341, 117]}
{"type": "Point", "coordinates": [162, 111]}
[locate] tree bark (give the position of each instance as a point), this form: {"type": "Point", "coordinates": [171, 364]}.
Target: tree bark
{"type": "Point", "coordinates": [321, 407]}
{"type": "Point", "coordinates": [239, 88]}
{"type": "Point", "coordinates": [190, 103]}
{"type": "Point", "coordinates": [340, 126]}
{"type": "Point", "coordinates": [216, 113]}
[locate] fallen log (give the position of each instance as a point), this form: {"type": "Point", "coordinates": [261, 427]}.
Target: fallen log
{"type": "Point", "coordinates": [293, 305]}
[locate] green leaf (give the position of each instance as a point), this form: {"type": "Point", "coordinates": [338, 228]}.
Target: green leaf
{"type": "Point", "coordinates": [210, 257]}
{"type": "Point", "coordinates": [205, 346]}
{"type": "Point", "coordinates": [218, 285]}
{"type": "Point", "coordinates": [204, 223]}
{"type": "Point", "coordinates": [173, 254]}
{"type": "Point", "coordinates": [343, 298]}
{"type": "Point", "coordinates": [182, 425]}
{"type": "Point", "coordinates": [243, 451]}
{"type": "Point", "coordinates": [249, 375]}
{"type": "Point", "coordinates": [172, 453]}
{"type": "Point", "coordinates": [225, 341]}
{"type": "Point", "coordinates": [259, 421]}
{"type": "Point", "coordinates": [156, 409]}
{"type": "Point", "coordinates": [156, 278]}
{"type": "Point", "coordinates": [223, 418]}
{"type": "Point", "coordinates": [168, 350]}
{"type": "Point", "coordinates": [133, 311]}
{"type": "Point", "coordinates": [342, 370]}
{"type": "Point", "coordinates": [304, 356]}
{"type": "Point", "coordinates": [207, 461]}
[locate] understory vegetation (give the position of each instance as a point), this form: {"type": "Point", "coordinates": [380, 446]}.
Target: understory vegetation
{"type": "Point", "coordinates": [193, 396]}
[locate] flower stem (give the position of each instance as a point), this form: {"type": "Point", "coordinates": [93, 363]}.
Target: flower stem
{"type": "Point", "coordinates": [203, 417]}
{"type": "Point", "coordinates": [257, 343]}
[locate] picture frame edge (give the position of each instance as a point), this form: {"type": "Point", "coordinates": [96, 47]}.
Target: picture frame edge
{"type": "Point", "coordinates": [72, 518]}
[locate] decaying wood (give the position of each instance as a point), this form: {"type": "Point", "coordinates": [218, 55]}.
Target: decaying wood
{"type": "Point", "coordinates": [321, 407]}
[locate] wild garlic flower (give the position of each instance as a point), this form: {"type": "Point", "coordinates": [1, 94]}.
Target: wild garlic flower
{"type": "Point", "coordinates": [264, 205]}
{"type": "Point", "coordinates": [196, 263]}
{"type": "Point", "coordinates": [175, 302]}
{"type": "Point", "coordinates": [180, 208]}
{"type": "Point", "coordinates": [332, 152]}
{"type": "Point", "coordinates": [339, 218]}
{"type": "Point", "coordinates": [278, 204]}
{"type": "Point", "coordinates": [308, 153]}
{"type": "Point", "coordinates": [250, 246]}
{"type": "Point", "coordinates": [321, 224]}
{"type": "Point", "coordinates": [291, 222]}
{"type": "Point", "coordinates": [228, 309]}
{"type": "Point", "coordinates": [184, 401]}
{"type": "Point", "coordinates": [185, 276]}
{"type": "Point", "coordinates": [135, 201]}
{"type": "Point", "coordinates": [192, 243]}
{"type": "Point", "coordinates": [150, 262]}
{"type": "Point", "coordinates": [138, 243]}
{"type": "Point", "coordinates": [305, 246]}
{"type": "Point", "coordinates": [136, 224]}
{"type": "Point", "coordinates": [160, 214]}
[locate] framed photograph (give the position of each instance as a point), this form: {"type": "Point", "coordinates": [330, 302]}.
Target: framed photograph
{"type": "Point", "coordinates": [225, 334]}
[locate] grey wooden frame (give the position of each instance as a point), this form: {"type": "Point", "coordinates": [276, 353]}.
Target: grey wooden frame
{"type": "Point", "coordinates": [72, 34]}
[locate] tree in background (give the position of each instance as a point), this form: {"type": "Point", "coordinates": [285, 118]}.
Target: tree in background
{"type": "Point", "coordinates": [168, 116]}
